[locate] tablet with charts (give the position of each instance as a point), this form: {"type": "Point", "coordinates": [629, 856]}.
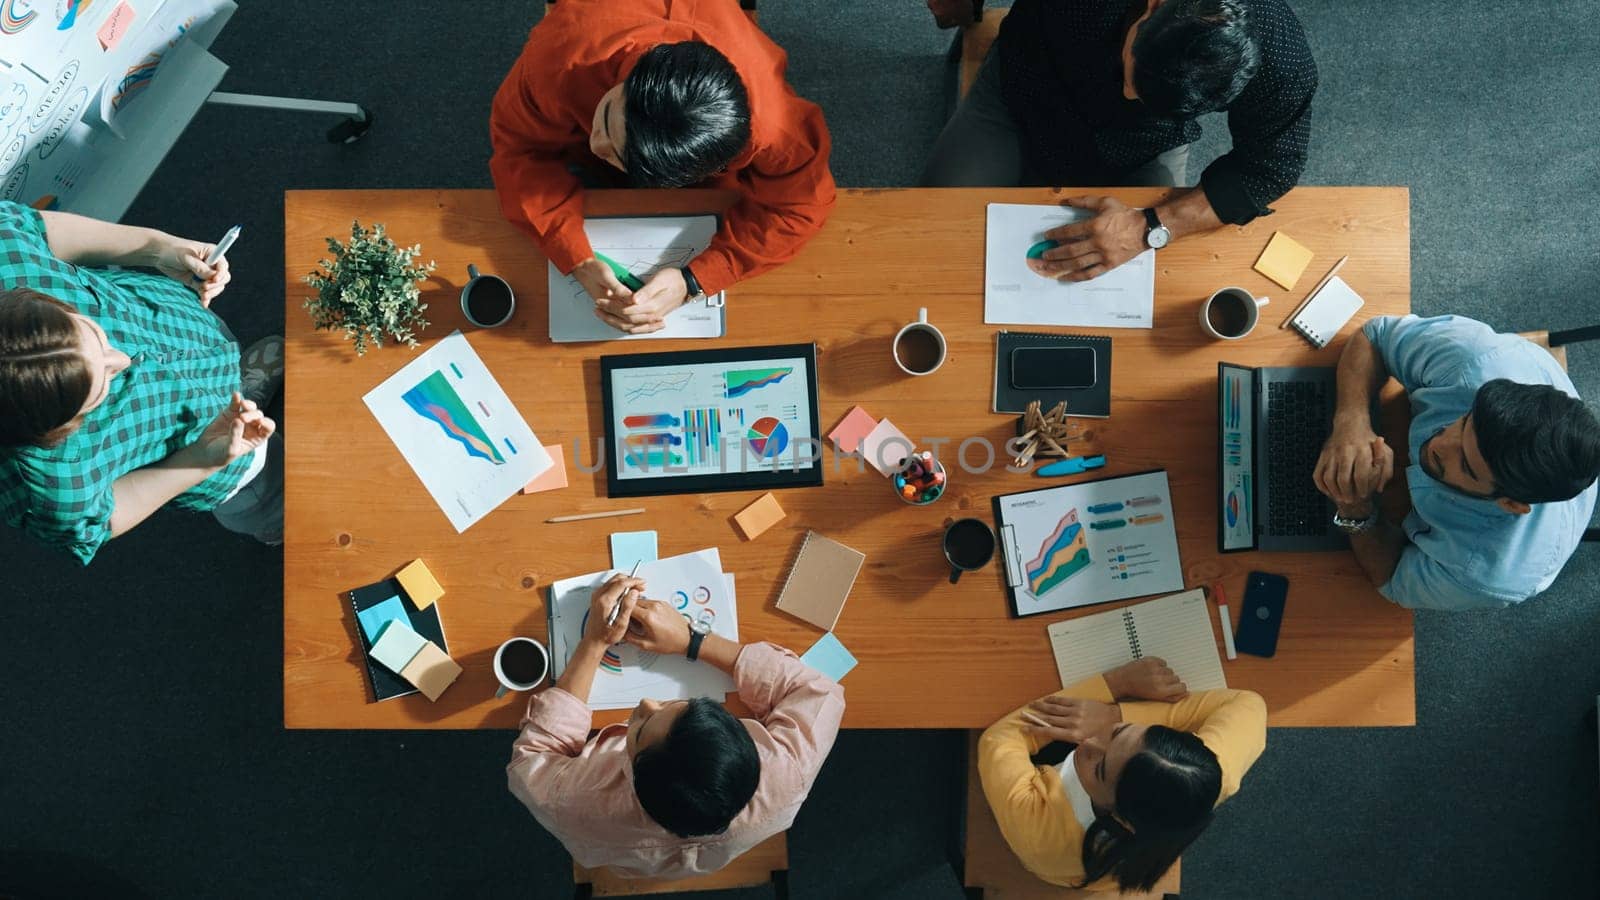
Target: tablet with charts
{"type": "Point", "coordinates": [711, 420]}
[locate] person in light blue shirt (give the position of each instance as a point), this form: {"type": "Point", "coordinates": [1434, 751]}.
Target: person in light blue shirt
{"type": "Point", "coordinates": [1503, 467]}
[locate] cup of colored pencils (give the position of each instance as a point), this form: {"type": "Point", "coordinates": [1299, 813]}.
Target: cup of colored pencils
{"type": "Point", "coordinates": [920, 479]}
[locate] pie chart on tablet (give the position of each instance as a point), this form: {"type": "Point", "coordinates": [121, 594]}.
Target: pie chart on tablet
{"type": "Point", "coordinates": [768, 437]}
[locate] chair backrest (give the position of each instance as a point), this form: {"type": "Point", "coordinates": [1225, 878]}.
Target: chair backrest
{"type": "Point", "coordinates": [749, 7]}
{"type": "Point", "coordinates": [765, 863]}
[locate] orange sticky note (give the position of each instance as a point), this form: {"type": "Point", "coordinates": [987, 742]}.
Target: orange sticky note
{"type": "Point", "coordinates": [115, 26]}
{"type": "Point", "coordinates": [553, 477]}
{"type": "Point", "coordinates": [431, 671]}
{"type": "Point", "coordinates": [1284, 260]}
{"type": "Point", "coordinates": [419, 584]}
{"type": "Point", "coordinates": [759, 516]}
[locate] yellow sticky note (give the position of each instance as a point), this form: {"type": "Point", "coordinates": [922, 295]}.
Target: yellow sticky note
{"type": "Point", "coordinates": [419, 584]}
{"type": "Point", "coordinates": [552, 478]}
{"type": "Point", "coordinates": [759, 516]}
{"type": "Point", "coordinates": [1284, 260]}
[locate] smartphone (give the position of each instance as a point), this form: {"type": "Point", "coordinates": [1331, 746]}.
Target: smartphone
{"type": "Point", "coordinates": [1052, 368]}
{"type": "Point", "coordinates": [1264, 594]}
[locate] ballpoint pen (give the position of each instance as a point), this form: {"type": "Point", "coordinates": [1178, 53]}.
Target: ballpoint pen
{"type": "Point", "coordinates": [617, 608]}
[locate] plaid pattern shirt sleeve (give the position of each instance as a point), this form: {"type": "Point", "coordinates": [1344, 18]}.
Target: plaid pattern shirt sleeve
{"type": "Point", "coordinates": [185, 370]}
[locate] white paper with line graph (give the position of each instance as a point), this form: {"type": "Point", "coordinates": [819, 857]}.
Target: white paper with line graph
{"type": "Point", "coordinates": [1176, 629]}
{"type": "Point", "coordinates": [642, 246]}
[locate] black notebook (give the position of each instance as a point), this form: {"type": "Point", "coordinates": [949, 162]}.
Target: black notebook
{"type": "Point", "coordinates": [1091, 402]}
{"type": "Point", "coordinates": [386, 684]}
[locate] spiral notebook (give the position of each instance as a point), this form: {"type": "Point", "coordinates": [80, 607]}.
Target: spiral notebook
{"type": "Point", "coordinates": [1175, 628]}
{"type": "Point", "coordinates": [1327, 312]}
{"type": "Point", "coordinates": [820, 581]}
{"type": "Point", "coordinates": [1091, 402]}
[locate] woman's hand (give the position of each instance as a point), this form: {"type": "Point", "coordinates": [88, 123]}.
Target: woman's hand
{"type": "Point", "coordinates": [185, 261]}
{"type": "Point", "coordinates": [1146, 679]}
{"type": "Point", "coordinates": [659, 628]}
{"type": "Point", "coordinates": [1069, 719]}
{"type": "Point", "coordinates": [237, 430]}
{"type": "Point", "coordinates": [619, 589]}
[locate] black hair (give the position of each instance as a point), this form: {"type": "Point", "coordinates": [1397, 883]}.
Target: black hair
{"type": "Point", "coordinates": [695, 780]}
{"type": "Point", "coordinates": [1194, 56]}
{"type": "Point", "coordinates": [687, 115]}
{"type": "Point", "coordinates": [1541, 444]}
{"type": "Point", "coordinates": [1165, 794]}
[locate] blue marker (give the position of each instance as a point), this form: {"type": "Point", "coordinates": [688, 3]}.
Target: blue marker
{"type": "Point", "coordinates": [1073, 466]}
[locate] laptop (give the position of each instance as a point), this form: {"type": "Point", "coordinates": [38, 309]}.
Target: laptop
{"type": "Point", "coordinates": [1271, 425]}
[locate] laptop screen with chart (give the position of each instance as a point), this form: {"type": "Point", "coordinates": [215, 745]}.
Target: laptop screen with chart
{"type": "Point", "coordinates": [1236, 457]}
{"type": "Point", "coordinates": [714, 420]}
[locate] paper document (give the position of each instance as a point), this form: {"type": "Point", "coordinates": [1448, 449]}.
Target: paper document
{"type": "Point", "coordinates": [642, 246]}
{"type": "Point", "coordinates": [696, 586]}
{"type": "Point", "coordinates": [1014, 294]}
{"type": "Point", "coordinates": [458, 430]}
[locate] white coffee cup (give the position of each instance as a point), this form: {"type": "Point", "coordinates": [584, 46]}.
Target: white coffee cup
{"type": "Point", "coordinates": [508, 684]}
{"type": "Point", "coordinates": [1244, 304]}
{"type": "Point", "coordinates": [916, 331]}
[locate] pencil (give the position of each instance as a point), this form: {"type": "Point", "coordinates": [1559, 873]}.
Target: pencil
{"type": "Point", "coordinates": [1325, 279]}
{"type": "Point", "coordinates": [596, 515]}
{"type": "Point", "coordinates": [611, 618]}
{"type": "Point", "coordinates": [1035, 719]}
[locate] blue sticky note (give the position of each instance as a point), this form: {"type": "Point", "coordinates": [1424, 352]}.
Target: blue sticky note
{"type": "Point", "coordinates": [374, 617]}
{"type": "Point", "coordinates": [629, 547]}
{"type": "Point", "coordinates": [829, 657]}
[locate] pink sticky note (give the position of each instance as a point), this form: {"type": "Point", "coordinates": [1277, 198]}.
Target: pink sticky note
{"type": "Point", "coordinates": [855, 425]}
{"type": "Point", "coordinates": [884, 447]}
{"type": "Point", "coordinates": [552, 478]}
{"type": "Point", "coordinates": [116, 25]}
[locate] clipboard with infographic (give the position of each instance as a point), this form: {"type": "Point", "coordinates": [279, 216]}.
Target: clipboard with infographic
{"type": "Point", "coordinates": [1089, 542]}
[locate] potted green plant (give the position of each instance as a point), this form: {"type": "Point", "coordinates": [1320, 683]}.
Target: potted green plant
{"type": "Point", "coordinates": [368, 289]}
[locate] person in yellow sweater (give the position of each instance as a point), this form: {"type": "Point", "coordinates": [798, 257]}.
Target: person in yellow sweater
{"type": "Point", "coordinates": [1137, 788]}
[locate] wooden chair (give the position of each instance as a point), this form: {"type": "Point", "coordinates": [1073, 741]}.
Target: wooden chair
{"type": "Point", "coordinates": [765, 863]}
{"type": "Point", "coordinates": [749, 7]}
{"type": "Point", "coordinates": [992, 871]}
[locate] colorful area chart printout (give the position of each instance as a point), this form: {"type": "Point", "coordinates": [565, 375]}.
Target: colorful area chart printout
{"type": "Point", "coordinates": [458, 430]}
{"type": "Point", "coordinates": [1090, 542]}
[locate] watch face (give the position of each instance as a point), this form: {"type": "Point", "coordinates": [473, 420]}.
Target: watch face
{"type": "Point", "coordinates": [1158, 237]}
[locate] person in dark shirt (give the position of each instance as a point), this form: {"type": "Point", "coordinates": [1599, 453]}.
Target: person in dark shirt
{"type": "Point", "coordinates": [1106, 92]}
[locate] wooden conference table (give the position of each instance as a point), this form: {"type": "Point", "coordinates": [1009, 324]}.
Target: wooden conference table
{"type": "Point", "coordinates": [932, 654]}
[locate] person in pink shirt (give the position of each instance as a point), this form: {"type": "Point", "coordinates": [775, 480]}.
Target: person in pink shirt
{"type": "Point", "coordinates": [684, 787]}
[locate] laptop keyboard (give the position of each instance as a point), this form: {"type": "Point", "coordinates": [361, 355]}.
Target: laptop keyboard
{"type": "Point", "coordinates": [1299, 417]}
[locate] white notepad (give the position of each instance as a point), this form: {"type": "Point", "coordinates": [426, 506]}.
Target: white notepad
{"type": "Point", "coordinates": [642, 244]}
{"type": "Point", "coordinates": [1176, 628]}
{"type": "Point", "coordinates": [1327, 312]}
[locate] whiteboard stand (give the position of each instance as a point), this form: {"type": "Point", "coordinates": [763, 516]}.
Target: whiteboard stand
{"type": "Point", "coordinates": [357, 119]}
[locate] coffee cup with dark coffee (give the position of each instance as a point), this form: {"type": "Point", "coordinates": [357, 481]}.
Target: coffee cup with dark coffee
{"type": "Point", "coordinates": [919, 348]}
{"type": "Point", "coordinates": [487, 300]}
{"type": "Point", "coordinates": [520, 664]}
{"type": "Point", "coordinates": [1231, 313]}
{"type": "Point", "coordinates": [968, 545]}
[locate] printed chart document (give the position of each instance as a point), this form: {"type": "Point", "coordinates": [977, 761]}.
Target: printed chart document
{"type": "Point", "coordinates": [641, 245]}
{"type": "Point", "coordinates": [1014, 294]}
{"type": "Point", "coordinates": [1089, 542]}
{"type": "Point", "coordinates": [696, 585]}
{"type": "Point", "coordinates": [458, 430]}
{"type": "Point", "coordinates": [1176, 629]}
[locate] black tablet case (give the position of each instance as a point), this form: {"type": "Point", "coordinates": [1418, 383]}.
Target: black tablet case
{"type": "Point", "coordinates": [1094, 402]}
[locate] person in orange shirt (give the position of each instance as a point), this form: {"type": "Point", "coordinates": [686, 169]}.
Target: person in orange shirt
{"type": "Point", "coordinates": [671, 93]}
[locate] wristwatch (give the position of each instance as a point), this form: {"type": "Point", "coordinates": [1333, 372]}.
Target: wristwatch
{"type": "Point", "coordinates": [695, 292]}
{"type": "Point", "coordinates": [1156, 235]}
{"type": "Point", "coordinates": [1356, 526]}
{"type": "Point", "coordinates": [698, 629]}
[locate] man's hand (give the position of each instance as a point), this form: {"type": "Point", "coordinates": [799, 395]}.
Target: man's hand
{"type": "Point", "coordinates": [951, 13]}
{"type": "Point", "coordinates": [1070, 719]}
{"type": "Point", "coordinates": [237, 430]}
{"type": "Point", "coordinates": [1146, 679]}
{"type": "Point", "coordinates": [1354, 466]}
{"type": "Point", "coordinates": [619, 589]}
{"type": "Point", "coordinates": [662, 293]}
{"type": "Point", "coordinates": [601, 283]}
{"type": "Point", "coordinates": [1096, 246]}
{"type": "Point", "coordinates": [659, 628]}
{"type": "Point", "coordinates": [185, 261]}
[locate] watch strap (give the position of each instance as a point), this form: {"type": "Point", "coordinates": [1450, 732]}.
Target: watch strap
{"type": "Point", "coordinates": [691, 282]}
{"type": "Point", "coordinates": [1151, 220]}
{"type": "Point", "coordinates": [696, 638]}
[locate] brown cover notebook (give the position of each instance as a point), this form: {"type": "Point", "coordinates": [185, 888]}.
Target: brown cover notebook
{"type": "Point", "coordinates": [820, 581]}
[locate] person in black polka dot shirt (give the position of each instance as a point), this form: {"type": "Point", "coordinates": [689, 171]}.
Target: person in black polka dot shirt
{"type": "Point", "coordinates": [1106, 92]}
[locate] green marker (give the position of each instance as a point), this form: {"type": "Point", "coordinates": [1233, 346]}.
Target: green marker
{"type": "Point", "coordinates": [628, 279]}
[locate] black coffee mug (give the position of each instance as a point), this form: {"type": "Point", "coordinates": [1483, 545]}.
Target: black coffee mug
{"type": "Point", "coordinates": [487, 300]}
{"type": "Point", "coordinates": [968, 545]}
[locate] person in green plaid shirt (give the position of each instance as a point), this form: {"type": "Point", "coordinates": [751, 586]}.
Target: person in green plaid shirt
{"type": "Point", "coordinates": [120, 390]}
